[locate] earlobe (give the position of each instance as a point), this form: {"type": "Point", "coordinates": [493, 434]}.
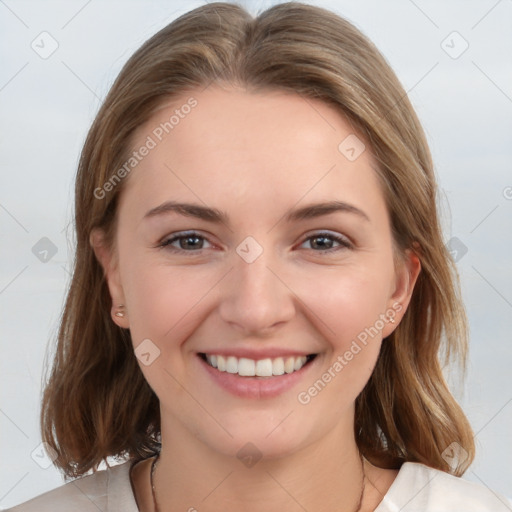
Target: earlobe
{"type": "Point", "coordinates": [120, 311]}
{"type": "Point", "coordinates": [108, 261]}
{"type": "Point", "coordinates": [120, 315]}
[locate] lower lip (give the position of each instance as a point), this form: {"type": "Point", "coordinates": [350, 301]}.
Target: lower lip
{"type": "Point", "coordinates": [257, 387]}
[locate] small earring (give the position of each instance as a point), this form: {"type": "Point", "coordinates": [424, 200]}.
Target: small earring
{"type": "Point", "coordinates": [120, 313]}
{"type": "Point", "coordinates": [392, 319]}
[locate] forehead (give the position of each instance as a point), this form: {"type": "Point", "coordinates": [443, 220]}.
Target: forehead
{"type": "Point", "coordinates": [220, 119]}
{"type": "Point", "coordinates": [229, 144]}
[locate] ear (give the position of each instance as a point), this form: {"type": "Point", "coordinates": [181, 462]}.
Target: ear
{"type": "Point", "coordinates": [407, 271]}
{"type": "Point", "coordinates": [107, 257]}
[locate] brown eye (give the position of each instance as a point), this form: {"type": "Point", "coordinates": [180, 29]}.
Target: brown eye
{"type": "Point", "coordinates": [327, 242]}
{"type": "Point", "coordinates": [189, 242]}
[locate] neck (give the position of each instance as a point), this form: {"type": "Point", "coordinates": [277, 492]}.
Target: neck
{"type": "Point", "coordinates": [192, 476]}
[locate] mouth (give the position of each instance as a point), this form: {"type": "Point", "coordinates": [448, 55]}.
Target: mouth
{"type": "Point", "coordinates": [267, 368]}
{"type": "Point", "coordinates": [258, 379]}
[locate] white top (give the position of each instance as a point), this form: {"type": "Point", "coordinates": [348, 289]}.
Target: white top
{"type": "Point", "coordinates": [416, 488]}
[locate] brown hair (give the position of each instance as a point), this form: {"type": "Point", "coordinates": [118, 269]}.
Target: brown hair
{"type": "Point", "coordinates": [97, 402]}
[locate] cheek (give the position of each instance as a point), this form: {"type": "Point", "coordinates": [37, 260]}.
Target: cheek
{"type": "Point", "coordinates": [163, 300]}
{"type": "Point", "coordinates": [346, 301]}
{"type": "Point", "coordinates": [347, 310]}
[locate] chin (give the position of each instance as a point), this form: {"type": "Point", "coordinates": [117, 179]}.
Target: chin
{"type": "Point", "coordinates": [260, 440]}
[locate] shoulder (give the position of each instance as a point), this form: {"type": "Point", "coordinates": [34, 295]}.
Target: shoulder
{"type": "Point", "coordinates": [420, 488]}
{"type": "Point", "coordinates": [105, 490]}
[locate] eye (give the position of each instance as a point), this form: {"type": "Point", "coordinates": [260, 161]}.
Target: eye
{"type": "Point", "coordinates": [193, 242]}
{"type": "Point", "coordinates": [325, 242]}
{"type": "Point", "coordinates": [184, 242]}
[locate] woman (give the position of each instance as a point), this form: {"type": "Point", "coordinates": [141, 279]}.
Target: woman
{"type": "Point", "coordinates": [261, 291]}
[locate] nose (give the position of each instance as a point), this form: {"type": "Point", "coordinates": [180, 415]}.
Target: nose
{"type": "Point", "coordinates": [255, 296]}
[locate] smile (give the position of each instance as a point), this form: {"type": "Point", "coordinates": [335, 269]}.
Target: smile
{"type": "Point", "coordinates": [263, 377]}
{"type": "Point", "coordinates": [268, 367]}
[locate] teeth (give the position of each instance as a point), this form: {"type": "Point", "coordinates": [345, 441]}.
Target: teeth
{"type": "Point", "coordinates": [264, 368]}
{"type": "Point", "coordinates": [278, 366]}
{"type": "Point", "coordinates": [246, 367]}
{"type": "Point", "coordinates": [261, 368]}
{"type": "Point", "coordinates": [232, 364]}
{"type": "Point", "coordinates": [289, 365]}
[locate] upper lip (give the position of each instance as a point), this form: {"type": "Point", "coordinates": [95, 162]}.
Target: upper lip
{"type": "Point", "coordinates": [256, 354]}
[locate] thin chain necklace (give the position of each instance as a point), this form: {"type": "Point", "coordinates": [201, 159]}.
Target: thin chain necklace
{"type": "Point", "coordinates": [157, 509]}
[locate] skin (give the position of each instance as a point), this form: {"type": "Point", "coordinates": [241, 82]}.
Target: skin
{"type": "Point", "coordinates": [255, 156]}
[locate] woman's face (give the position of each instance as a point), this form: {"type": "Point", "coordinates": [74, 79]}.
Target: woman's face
{"type": "Point", "coordinates": [253, 269]}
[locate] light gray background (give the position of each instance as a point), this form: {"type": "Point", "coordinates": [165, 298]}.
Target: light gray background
{"type": "Point", "coordinates": [47, 106]}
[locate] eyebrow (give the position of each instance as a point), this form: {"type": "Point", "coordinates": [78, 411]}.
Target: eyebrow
{"type": "Point", "coordinates": [217, 216]}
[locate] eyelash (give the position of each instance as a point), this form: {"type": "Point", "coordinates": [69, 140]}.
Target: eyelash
{"type": "Point", "coordinates": [344, 242]}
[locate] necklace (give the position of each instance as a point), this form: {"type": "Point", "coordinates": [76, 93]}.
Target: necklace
{"type": "Point", "coordinates": [155, 504]}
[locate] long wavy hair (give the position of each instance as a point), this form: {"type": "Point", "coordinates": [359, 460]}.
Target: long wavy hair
{"type": "Point", "coordinates": [96, 402]}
